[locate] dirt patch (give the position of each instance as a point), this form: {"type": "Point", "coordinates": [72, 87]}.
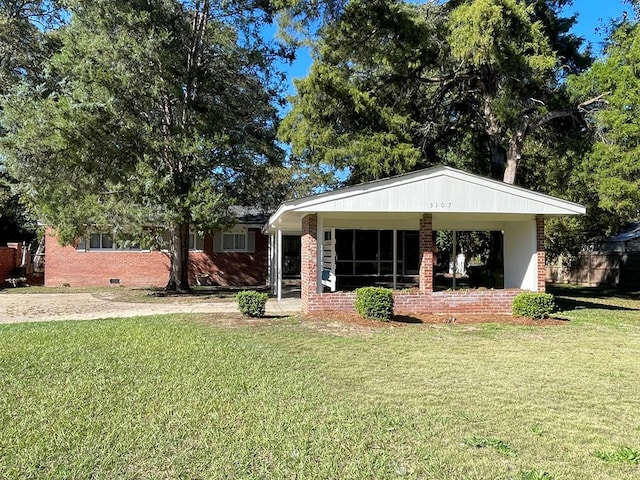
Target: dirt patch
{"type": "Point", "coordinates": [352, 324]}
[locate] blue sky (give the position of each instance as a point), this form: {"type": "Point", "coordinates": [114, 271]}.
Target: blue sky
{"type": "Point", "coordinates": [595, 14]}
{"type": "Point", "coordinates": [592, 16]}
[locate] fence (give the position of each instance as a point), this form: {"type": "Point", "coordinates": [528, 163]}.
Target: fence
{"type": "Point", "coordinates": [598, 268]}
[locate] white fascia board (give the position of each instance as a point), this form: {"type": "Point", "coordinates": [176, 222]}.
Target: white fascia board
{"type": "Point", "coordinates": [346, 199]}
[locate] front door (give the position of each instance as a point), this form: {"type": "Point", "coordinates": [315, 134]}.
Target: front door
{"type": "Point", "coordinates": [291, 256]}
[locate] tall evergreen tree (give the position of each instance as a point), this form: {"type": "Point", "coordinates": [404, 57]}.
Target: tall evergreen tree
{"type": "Point", "coordinates": [152, 113]}
{"type": "Point", "coordinates": [473, 83]}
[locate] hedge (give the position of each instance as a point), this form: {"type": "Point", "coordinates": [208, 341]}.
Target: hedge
{"type": "Point", "coordinates": [375, 302]}
{"type": "Point", "coordinates": [252, 303]}
{"type": "Point", "coordinates": [534, 305]}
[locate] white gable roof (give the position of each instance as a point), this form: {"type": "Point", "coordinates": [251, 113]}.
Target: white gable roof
{"type": "Point", "coordinates": [441, 190]}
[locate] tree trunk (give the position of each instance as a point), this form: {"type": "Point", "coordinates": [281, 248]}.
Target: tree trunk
{"type": "Point", "coordinates": [514, 152]}
{"type": "Point", "coordinates": [179, 254]}
{"type": "Point", "coordinates": [494, 132]}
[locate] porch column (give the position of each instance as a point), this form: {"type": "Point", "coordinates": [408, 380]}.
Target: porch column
{"type": "Point", "coordinates": [542, 268]}
{"type": "Point", "coordinates": [278, 263]}
{"type": "Point", "coordinates": [426, 253]}
{"type": "Point", "coordinates": [309, 260]}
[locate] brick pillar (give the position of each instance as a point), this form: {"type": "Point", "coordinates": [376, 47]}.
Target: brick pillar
{"type": "Point", "coordinates": [542, 269]}
{"type": "Point", "coordinates": [309, 266]}
{"type": "Point", "coordinates": [426, 253]}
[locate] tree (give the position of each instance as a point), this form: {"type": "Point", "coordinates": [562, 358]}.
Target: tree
{"type": "Point", "coordinates": [151, 114]}
{"type": "Point", "coordinates": [397, 86]}
{"type": "Point", "coordinates": [23, 48]}
{"type": "Point", "coordinates": [612, 166]}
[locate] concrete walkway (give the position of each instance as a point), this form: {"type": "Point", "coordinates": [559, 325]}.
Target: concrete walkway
{"type": "Point", "coordinates": [39, 307]}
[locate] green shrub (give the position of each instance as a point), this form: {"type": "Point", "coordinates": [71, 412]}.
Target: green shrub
{"type": "Point", "coordinates": [375, 302]}
{"type": "Point", "coordinates": [252, 303]}
{"type": "Point", "coordinates": [534, 305]}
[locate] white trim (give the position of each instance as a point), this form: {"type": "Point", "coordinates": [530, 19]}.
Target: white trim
{"type": "Point", "coordinates": [290, 213]}
{"type": "Point", "coordinates": [279, 265]}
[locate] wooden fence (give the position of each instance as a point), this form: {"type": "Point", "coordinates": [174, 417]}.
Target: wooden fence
{"type": "Point", "coordinates": [598, 268]}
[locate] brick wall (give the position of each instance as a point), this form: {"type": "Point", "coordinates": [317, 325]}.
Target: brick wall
{"type": "Point", "coordinates": [309, 264]}
{"type": "Point", "coordinates": [8, 260]}
{"type": "Point", "coordinates": [411, 302]}
{"type": "Point", "coordinates": [144, 269]}
{"type": "Point", "coordinates": [426, 253]}
{"type": "Point", "coordinates": [541, 256]}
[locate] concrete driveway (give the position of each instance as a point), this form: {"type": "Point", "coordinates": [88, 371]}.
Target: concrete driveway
{"type": "Point", "coordinates": [39, 307]}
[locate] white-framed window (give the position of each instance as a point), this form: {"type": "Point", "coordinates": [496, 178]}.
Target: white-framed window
{"type": "Point", "coordinates": [238, 239]}
{"type": "Point", "coordinates": [234, 242]}
{"type": "Point", "coordinates": [196, 242]}
{"type": "Point", "coordinates": [103, 241]}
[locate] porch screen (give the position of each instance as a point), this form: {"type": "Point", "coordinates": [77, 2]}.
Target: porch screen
{"type": "Point", "coordinates": [370, 252]}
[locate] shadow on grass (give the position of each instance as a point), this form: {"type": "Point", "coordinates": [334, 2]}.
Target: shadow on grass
{"type": "Point", "coordinates": [577, 297]}
{"type": "Point", "coordinates": [406, 319]}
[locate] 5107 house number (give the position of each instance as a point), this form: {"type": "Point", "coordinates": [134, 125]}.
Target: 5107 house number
{"type": "Point", "coordinates": [440, 205]}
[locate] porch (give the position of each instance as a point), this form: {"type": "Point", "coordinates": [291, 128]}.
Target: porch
{"type": "Point", "coordinates": [383, 233]}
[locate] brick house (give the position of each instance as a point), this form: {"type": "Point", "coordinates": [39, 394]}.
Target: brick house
{"type": "Point", "coordinates": [237, 257]}
{"type": "Point", "coordinates": [382, 233]}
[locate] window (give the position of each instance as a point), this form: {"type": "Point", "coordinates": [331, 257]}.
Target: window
{"type": "Point", "coordinates": [370, 252]}
{"type": "Point", "coordinates": [239, 239]}
{"type": "Point", "coordinates": [234, 242]}
{"type": "Point", "coordinates": [101, 241]}
{"type": "Point", "coordinates": [196, 242]}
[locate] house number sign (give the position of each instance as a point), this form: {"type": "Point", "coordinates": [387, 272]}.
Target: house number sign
{"type": "Point", "coordinates": [440, 205]}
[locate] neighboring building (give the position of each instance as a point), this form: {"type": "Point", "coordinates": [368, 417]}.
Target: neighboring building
{"type": "Point", "coordinates": [237, 257]}
{"type": "Point", "coordinates": [611, 261]}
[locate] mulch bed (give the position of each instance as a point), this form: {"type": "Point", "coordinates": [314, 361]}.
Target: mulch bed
{"type": "Point", "coordinates": [433, 319]}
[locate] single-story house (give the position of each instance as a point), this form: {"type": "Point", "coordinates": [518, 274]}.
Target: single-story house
{"type": "Point", "coordinates": [376, 233]}
{"type": "Point", "coordinates": [382, 232]}
{"type": "Point", "coordinates": [237, 257]}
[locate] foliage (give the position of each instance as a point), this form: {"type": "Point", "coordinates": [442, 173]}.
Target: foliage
{"type": "Point", "coordinates": [375, 302]}
{"type": "Point", "coordinates": [397, 86]}
{"type": "Point", "coordinates": [612, 166]}
{"type": "Point", "coordinates": [150, 114]}
{"type": "Point", "coordinates": [624, 454]}
{"type": "Point", "coordinates": [24, 46]}
{"type": "Point", "coordinates": [499, 445]}
{"type": "Point", "coordinates": [534, 305]}
{"type": "Point", "coordinates": [252, 303]}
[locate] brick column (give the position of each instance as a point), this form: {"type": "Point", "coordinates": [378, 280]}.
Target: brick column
{"type": "Point", "coordinates": [309, 266]}
{"type": "Point", "coordinates": [542, 269]}
{"type": "Point", "coordinates": [426, 253]}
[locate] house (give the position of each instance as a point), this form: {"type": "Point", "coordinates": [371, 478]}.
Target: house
{"type": "Point", "coordinates": [382, 233]}
{"type": "Point", "coordinates": [237, 257]}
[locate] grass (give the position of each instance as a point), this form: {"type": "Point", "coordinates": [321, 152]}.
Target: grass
{"type": "Point", "coordinates": [179, 397]}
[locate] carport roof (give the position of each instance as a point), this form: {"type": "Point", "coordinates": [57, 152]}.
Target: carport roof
{"type": "Point", "coordinates": [438, 190]}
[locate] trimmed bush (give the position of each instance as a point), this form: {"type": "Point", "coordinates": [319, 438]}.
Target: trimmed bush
{"type": "Point", "coordinates": [534, 305]}
{"type": "Point", "coordinates": [375, 302]}
{"type": "Point", "coordinates": [252, 303]}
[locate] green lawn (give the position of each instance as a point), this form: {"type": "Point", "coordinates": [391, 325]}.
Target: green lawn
{"type": "Point", "coordinates": [179, 397]}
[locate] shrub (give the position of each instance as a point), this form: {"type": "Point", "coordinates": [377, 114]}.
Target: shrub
{"type": "Point", "coordinates": [534, 305]}
{"type": "Point", "coordinates": [375, 302]}
{"type": "Point", "coordinates": [252, 303]}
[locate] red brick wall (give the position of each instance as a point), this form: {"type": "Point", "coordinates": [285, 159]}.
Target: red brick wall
{"type": "Point", "coordinates": [542, 270]}
{"type": "Point", "coordinates": [426, 253]}
{"type": "Point", "coordinates": [8, 260]}
{"type": "Point", "coordinates": [409, 302]}
{"type": "Point", "coordinates": [143, 269]}
{"type": "Point", "coordinates": [309, 264]}
{"type": "Point", "coordinates": [232, 268]}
